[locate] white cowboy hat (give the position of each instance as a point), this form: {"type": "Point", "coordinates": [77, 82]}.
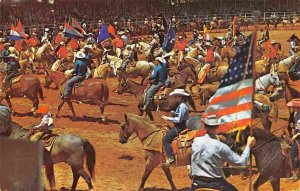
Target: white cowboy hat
{"type": "Point", "coordinates": [220, 37]}
{"type": "Point", "coordinates": [13, 56]}
{"type": "Point", "coordinates": [160, 59]}
{"type": "Point", "coordinates": [121, 32]}
{"type": "Point", "coordinates": [180, 36]}
{"type": "Point", "coordinates": [168, 54]}
{"type": "Point", "coordinates": [62, 43]}
{"type": "Point", "coordinates": [211, 120]}
{"type": "Point", "coordinates": [80, 54]}
{"type": "Point", "coordinates": [179, 92]}
{"type": "Point", "coordinates": [7, 44]}
{"type": "Point", "coordinates": [207, 43]}
{"type": "Point", "coordinates": [90, 34]}
{"type": "Point", "coordinates": [294, 103]}
{"type": "Point", "coordinates": [273, 42]}
{"type": "Point", "coordinates": [33, 34]}
{"type": "Point", "coordinates": [61, 27]}
{"type": "Point", "coordinates": [89, 46]}
{"type": "Point", "coordinates": [46, 29]}
{"type": "Point", "coordinates": [146, 19]}
{"type": "Point", "coordinates": [200, 37]}
{"type": "Point", "coordinates": [2, 40]}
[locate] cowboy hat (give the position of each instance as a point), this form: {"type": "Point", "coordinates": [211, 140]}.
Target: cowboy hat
{"type": "Point", "coordinates": [129, 20]}
{"type": "Point", "coordinates": [169, 54]}
{"type": "Point", "coordinates": [80, 54]}
{"type": "Point", "coordinates": [62, 43]}
{"type": "Point", "coordinates": [7, 44]}
{"type": "Point", "coordinates": [211, 121]}
{"type": "Point", "coordinates": [121, 32]}
{"type": "Point", "coordinates": [12, 56]}
{"type": "Point", "coordinates": [2, 40]}
{"type": "Point", "coordinates": [46, 29]}
{"type": "Point", "coordinates": [179, 92]}
{"type": "Point", "coordinates": [43, 110]}
{"type": "Point", "coordinates": [61, 27]}
{"type": "Point", "coordinates": [273, 42]}
{"type": "Point", "coordinates": [160, 59]}
{"type": "Point", "coordinates": [294, 103]}
{"type": "Point", "coordinates": [88, 46]}
{"type": "Point", "coordinates": [90, 34]}
{"type": "Point", "coordinates": [207, 43]}
{"type": "Point", "coordinates": [33, 34]}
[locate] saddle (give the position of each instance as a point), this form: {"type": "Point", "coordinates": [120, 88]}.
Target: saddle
{"type": "Point", "coordinates": [15, 79]}
{"type": "Point", "coordinates": [46, 137]}
{"type": "Point", "coordinates": [77, 85]}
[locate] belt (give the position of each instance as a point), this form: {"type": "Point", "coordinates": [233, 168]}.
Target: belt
{"type": "Point", "coordinates": [204, 178]}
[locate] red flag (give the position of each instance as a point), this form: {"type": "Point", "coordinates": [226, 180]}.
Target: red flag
{"type": "Point", "coordinates": [1, 47]}
{"type": "Point", "coordinates": [19, 26]}
{"type": "Point", "coordinates": [73, 44]}
{"type": "Point", "coordinates": [234, 25]}
{"type": "Point", "coordinates": [111, 30]}
{"type": "Point", "coordinates": [76, 25]}
{"type": "Point", "coordinates": [19, 45]}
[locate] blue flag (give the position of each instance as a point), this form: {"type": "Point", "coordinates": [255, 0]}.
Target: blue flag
{"type": "Point", "coordinates": [103, 34]}
{"type": "Point", "coordinates": [169, 40]}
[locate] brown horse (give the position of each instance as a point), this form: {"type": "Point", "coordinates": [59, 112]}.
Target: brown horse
{"type": "Point", "coordinates": [93, 91]}
{"type": "Point", "coordinates": [145, 131]}
{"type": "Point", "coordinates": [28, 85]}
{"type": "Point", "coordinates": [164, 104]}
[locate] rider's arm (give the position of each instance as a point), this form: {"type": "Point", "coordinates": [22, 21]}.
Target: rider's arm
{"type": "Point", "coordinates": [155, 73]}
{"type": "Point", "coordinates": [179, 117]}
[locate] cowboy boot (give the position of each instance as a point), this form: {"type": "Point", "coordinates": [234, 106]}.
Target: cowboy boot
{"type": "Point", "coordinates": [295, 176]}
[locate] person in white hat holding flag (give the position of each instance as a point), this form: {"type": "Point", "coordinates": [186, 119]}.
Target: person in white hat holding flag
{"type": "Point", "coordinates": [180, 116]}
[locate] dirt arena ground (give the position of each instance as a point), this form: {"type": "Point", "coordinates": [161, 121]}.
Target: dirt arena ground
{"type": "Point", "coordinates": [120, 167]}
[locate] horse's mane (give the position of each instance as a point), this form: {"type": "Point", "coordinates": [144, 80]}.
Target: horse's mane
{"type": "Point", "coordinates": [263, 134]}
{"type": "Point", "coordinates": [147, 122]}
{"type": "Point", "coordinates": [135, 83]}
{"type": "Point", "coordinates": [295, 93]}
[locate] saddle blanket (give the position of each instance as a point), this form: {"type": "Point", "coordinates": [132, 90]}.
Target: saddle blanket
{"type": "Point", "coordinates": [14, 79]}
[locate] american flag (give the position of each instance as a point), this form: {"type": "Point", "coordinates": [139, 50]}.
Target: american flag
{"type": "Point", "coordinates": [232, 103]}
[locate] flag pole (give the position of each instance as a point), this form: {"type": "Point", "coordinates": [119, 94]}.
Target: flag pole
{"type": "Point", "coordinates": [256, 15]}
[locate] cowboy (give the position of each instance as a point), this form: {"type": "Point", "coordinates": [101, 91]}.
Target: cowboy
{"type": "Point", "coordinates": [209, 155]}
{"type": "Point", "coordinates": [158, 78]}
{"type": "Point", "coordinates": [154, 43]}
{"type": "Point", "coordinates": [59, 36]}
{"type": "Point", "coordinates": [195, 37]}
{"type": "Point", "coordinates": [239, 38]}
{"type": "Point", "coordinates": [129, 58]}
{"type": "Point", "coordinates": [4, 55]}
{"type": "Point", "coordinates": [12, 71]}
{"type": "Point", "coordinates": [91, 39]}
{"type": "Point", "coordinates": [294, 71]}
{"type": "Point", "coordinates": [44, 127]}
{"type": "Point", "coordinates": [181, 45]}
{"type": "Point", "coordinates": [45, 36]}
{"type": "Point", "coordinates": [79, 74]}
{"type": "Point", "coordinates": [295, 122]}
{"type": "Point", "coordinates": [87, 49]}
{"type": "Point", "coordinates": [180, 116]}
{"type": "Point", "coordinates": [61, 50]}
{"type": "Point", "coordinates": [294, 47]}
{"type": "Point", "coordinates": [118, 43]}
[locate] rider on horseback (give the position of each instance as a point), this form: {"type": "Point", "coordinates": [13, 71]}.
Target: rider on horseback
{"type": "Point", "coordinates": [154, 43]}
{"type": "Point", "coordinates": [4, 55]}
{"type": "Point", "coordinates": [79, 74]}
{"type": "Point", "coordinates": [129, 58]}
{"type": "Point", "coordinates": [12, 71]}
{"type": "Point", "coordinates": [180, 116]}
{"type": "Point", "coordinates": [294, 44]}
{"type": "Point", "coordinates": [45, 127]}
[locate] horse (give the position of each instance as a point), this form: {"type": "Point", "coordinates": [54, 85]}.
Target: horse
{"type": "Point", "coordinates": [146, 48]}
{"type": "Point", "coordinates": [92, 91]}
{"type": "Point", "coordinates": [141, 69]}
{"type": "Point", "coordinates": [138, 91]}
{"type": "Point", "coordinates": [292, 21]}
{"type": "Point", "coordinates": [66, 148]}
{"type": "Point", "coordinates": [267, 152]}
{"type": "Point", "coordinates": [44, 55]}
{"type": "Point", "coordinates": [146, 130]}
{"type": "Point", "coordinates": [27, 85]}
{"type": "Point", "coordinates": [283, 66]}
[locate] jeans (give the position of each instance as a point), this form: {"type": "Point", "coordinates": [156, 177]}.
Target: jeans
{"type": "Point", "coordinates": [151, 92]}
{"type": "Point", "coordinates": [170, 136]}
{"type": "Point", "coordinates": [9, 76]}
{"type": "Point", "coordinates": [70, 83]}
{"type": "Point", "coordinates": [124, 64]}
{"type": "Point", "coordinates": [295, 154]}
{"type": "Point", "coordinates": [213, 183]}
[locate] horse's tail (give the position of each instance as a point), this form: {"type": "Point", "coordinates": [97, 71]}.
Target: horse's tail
{"type": "Point", "coordinates": [192, 103]}
{"type": "Point", "coordinates": [40, 90]}
{"type": "Point", "coordinates": [106, 94]}
{"type": "Point", "coordinates": [49, 169]}
{"type": "Point", "coordinates": [90, 156]}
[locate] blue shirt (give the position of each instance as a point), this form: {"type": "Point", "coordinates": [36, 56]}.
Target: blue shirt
{"type": "Point", "coordinates": [80, 67]}
{"type": "Point", "coordinates": [181, 114]}
{"type": "Point", "coordinates": [209, 156]}
{"type": "Point", "coordinates": [160, 74]}
{"type": "Point", "coordinates": [13, 66]}
{"type": "Point", "coordinates": [5, 54]}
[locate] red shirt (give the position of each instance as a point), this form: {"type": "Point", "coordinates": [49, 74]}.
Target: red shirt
{"type": "Point", "coordinates": [181, 45]}
{"type": "Point", "coordinates": [210, 56]}
{"type": "Point", "coordinates": [33, 41]}
{"type": "Point", "coordinates": [271, 50]}
{"type": "Point", "coordinates": [118, 42]}
{"type": "Point", "coordinates": [1, 47]}
{"type": "Point", "coordinates": [62, 52]}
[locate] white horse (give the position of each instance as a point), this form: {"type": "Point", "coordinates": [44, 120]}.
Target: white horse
{"type": "Point", "coordinates": [146, 48]}
{"type": "Point", "coordinates": [40, 51]}
{"type": "Point", "coordinates": [263, 83]}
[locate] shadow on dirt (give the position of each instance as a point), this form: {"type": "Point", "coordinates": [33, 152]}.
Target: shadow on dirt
{"type": "Point", "coordinates": [126, 157]}
{"type": "Point", "coordinates": [162, 189]}
{"type": "Point", "coordinates": [90, 119]}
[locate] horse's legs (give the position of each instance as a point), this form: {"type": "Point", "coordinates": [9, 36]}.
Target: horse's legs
{"type": "Point", "coordinates": [150, 165]}
{"type": "Point", "coordinates": [35, 102]}
{"type": "Point", "coordinates": [261, 180]}
{"type": "Point", "coordinates": [149, 113]}
{"type": "Point", "coordinates": [167, 171]}
{"type": "Point", "coordinates": [9, 102]}
{"type": "Point", "coordinates": [75, 178]}
{"type": "Point", "coordinates": [69, 102]}
{"type": "Point", "coordinates": [142, 82]}
{"type": "Point", "coordinates": [275, 182]}
{"type": "Point", "coordinates": [59, 107]}
{"type": "Point", "coordinates": [79, 171]}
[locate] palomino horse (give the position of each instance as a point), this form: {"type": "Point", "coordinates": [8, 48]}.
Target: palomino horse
{"type": "Point", "coordinates": [138, 91]}
{"type": "Point", "coordinates": [141, 69]}
{"type": "Point", "coordinates": [93, 91]}
{"type": "Point", "coordinates": [44, 55]}
{"type": "Point", "coordinates": [66, 148]}
{"type": "Point", "coordinates": [27, 85]}
{"type": "Point", "coordinates": [101, 72]}
{"type": "Point", "coordinates": [283, 66]}
{"type": "Point", "coordinates": [147, 132]}
{"type": "Point", "coordinates": [146, 48]}
{"type": "Point", "coordinates": [267, 152]}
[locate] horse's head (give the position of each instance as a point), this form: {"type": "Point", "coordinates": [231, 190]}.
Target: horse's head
{"type": "Point", "coordinates": [274, 79]}
{"type": "Point", "coordinates": [123, 87]}
{"type": "Point", "coordinates": [48, 81]}
{"type": "Point", "coordinates": [238, 138]}
{"type": "Point", "coordinates": [125, 131]}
